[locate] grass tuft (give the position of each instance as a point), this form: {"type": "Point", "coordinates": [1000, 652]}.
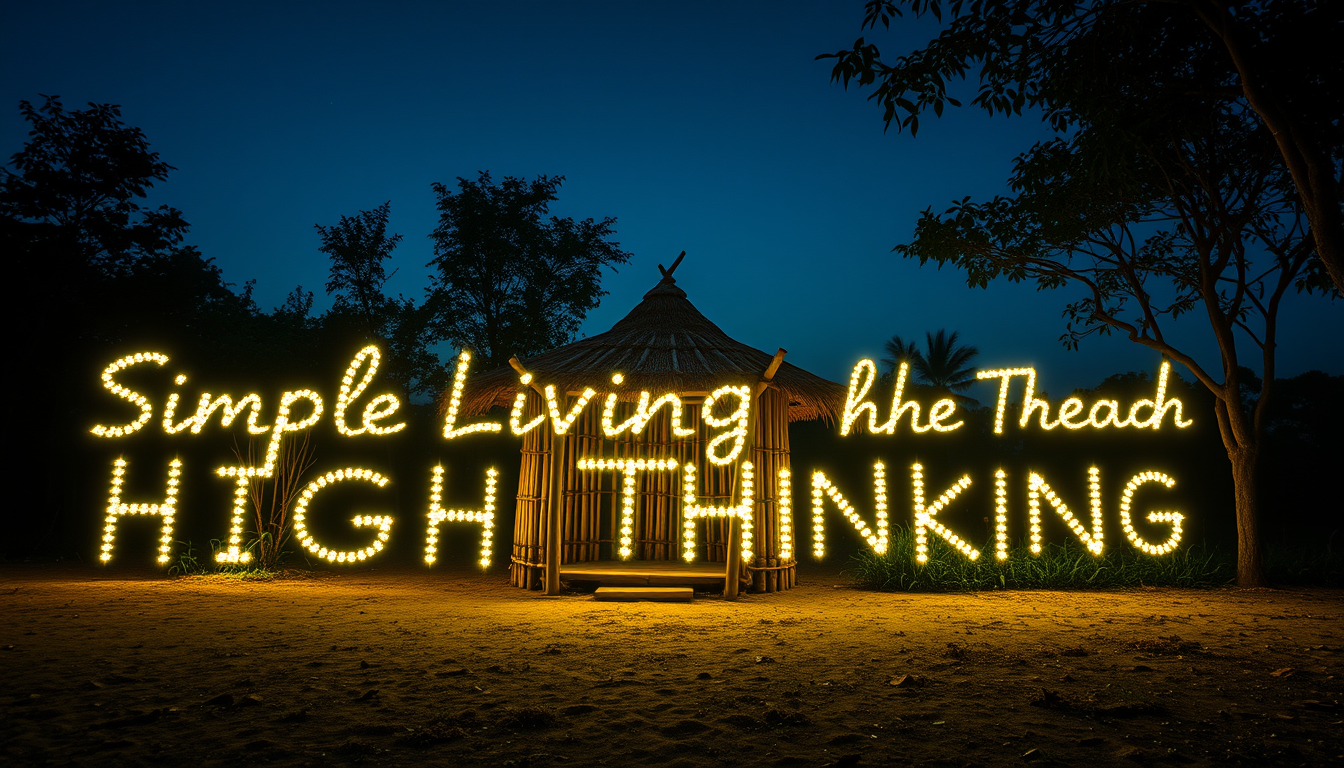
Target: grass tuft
{"type": "Point", "coordinates": [1059, 566]}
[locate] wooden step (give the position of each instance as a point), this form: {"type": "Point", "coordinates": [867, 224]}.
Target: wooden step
{"type": "Point", "coordinates": [658, 594]}
{"type": "Point", "coordinates": [644, 573]}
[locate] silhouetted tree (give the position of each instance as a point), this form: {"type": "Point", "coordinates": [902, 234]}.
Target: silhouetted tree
{"type": "Point", "coordinates": [102, 275]}
{"type": "Point", "coordinates": [358, 246]}
{"type": "Point", "coordinates": [508, 281]}
{"type": "Point", "coordinates": [945, 365]}
{"type": "Point", "coordinates": [1150, 218]}
{"type": "Point", "coordinates": [1277, 60]}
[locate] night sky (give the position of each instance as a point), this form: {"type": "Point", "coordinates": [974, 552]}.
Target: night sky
{"type": "Point", "coordinates": [699, 128]}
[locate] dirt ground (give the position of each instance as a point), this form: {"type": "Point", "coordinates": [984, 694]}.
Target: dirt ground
{"type": "Point", "coordinates": [451, 667]}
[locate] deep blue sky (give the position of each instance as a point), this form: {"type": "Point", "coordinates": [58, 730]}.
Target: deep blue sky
{"type": "Point", "coordinates": [700, 128]}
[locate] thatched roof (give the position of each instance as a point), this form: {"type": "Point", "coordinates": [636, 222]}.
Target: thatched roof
{"type": "Point", "coordinates": [663, 345]}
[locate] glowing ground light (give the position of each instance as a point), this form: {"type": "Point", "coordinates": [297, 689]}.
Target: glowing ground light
{"type": "Point", "coordinates": [925, 516]}
{"type": "Point", "coordinates": [1037, 487]}
{"type": "Point", "coordinates": [484, 516]}
{"type": "Point", "coordinates": [628, 468]}
{"type": "Point", "coordinates": [165, 509]}
{"type": "Point", "coordinates": [1173, 518]}
{"type": "Point", "coordinates": [823, 488]}
{"type": "Point", "coordinates": [382, 522]}
{"type": "Point", "coordinates": [693, 510]}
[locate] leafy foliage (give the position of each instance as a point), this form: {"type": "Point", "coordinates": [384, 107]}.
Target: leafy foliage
{"type": "Point", "coordinates": [1275, 61]}
{"type": "Point", "coordinates": [944, 365]}
{"type": "Point", "coordinates": [509, 281]}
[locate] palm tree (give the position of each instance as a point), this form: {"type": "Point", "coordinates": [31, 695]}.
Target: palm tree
{"type": "Point", "coordinates": [944, 365]}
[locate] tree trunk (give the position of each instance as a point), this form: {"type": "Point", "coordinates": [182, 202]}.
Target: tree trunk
{"type": "Point", "coordinates": [1245, 485]}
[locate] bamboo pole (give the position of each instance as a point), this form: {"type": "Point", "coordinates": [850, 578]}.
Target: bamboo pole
{"type": "Point", "coordinates": [554, 515]}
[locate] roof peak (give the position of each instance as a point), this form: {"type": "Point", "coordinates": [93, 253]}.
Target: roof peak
{"type": "Point", "coordinates": [668, 285]}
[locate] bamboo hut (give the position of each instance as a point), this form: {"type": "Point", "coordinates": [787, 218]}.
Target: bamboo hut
{"type": "Point", "coordinates": [568, 520]}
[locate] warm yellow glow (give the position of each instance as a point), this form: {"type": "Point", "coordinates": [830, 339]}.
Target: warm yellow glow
{"type": "Point", "coordinates": [165, 509]}
{"type": "Point", "coordinates": [822, 488]}
{"type": "Point", "coordinates": [516, 414]}
{"type": "Point", "coordinates": [1172, 518]}
{"type": "Point", "coordinates": [450, 431]}
{"type": "Point", "coordinates": [205, 408]}
{"type": "Point", "coordinates": [129, 395]}
{"type": "Point", "coordinates": [559, 424]}
{"type": "Point", "coordinates": [693, 510]}
{"type": "Point", "coordinates": [925, 516]}
{"type": "Point", "coordinates": [382, 522]}
{"type": "Point", "coordinates": [785, 502]}
{"type": "Point", "coordinates": [628, 468]}
{"type": "Point", "coordinates": [1001, 515]}
{"type": "Point", "coordinates": [1071, 408]}
{"type": "Point", "coordinates": [381, 407]}
{"type": "Point", "coordinates": [739, 418]}
{"type": "Point", "coordinates": [644, 412]}
{"type": "Point", "coordinates": [861, 380]}
{"type": "Point", "coordinates": [1037, 486]}
{"type": "Point", "coordinates": [484, 516]}
{"type": "Point", "coordinates": [234, 553]}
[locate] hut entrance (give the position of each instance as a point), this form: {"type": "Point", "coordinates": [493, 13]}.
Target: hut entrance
{"type": "Point", "coordinates": [584, 512]}
{"type": "Point", "coordinates": [620, 528]}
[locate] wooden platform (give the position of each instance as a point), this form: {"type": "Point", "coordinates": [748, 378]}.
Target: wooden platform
{"type": "Point", "coordinates": [644, 573]}
{"type": "Point", "coordinates": [658, 594]}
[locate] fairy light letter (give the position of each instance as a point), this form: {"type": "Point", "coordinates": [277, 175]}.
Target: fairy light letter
{"type": "Point", "coordinates": [129, 395]}
{"type": "Point", "coordinates": [379, 408]}
{"type": "Point", "coordinates": [1174, 519]}
{"type": "Point", "coordinates": [484, 516]}
{"type": "Point", "coordinates": [117, 509]}
{"type": "Point", "coordinates": [628, 469]}
{"type": "Point", "coordinates": [560, 424]}
{"type": "Point", "coordinates": [243, 476]}
{"type": "Point", "coordinates": [1001, 515]}
{"type": "Point", "coordinates": [693, 510]}
{"type": "Point", "coordinates": [738, 419]}
{"type": "Point", "coordinates": [516, 424]}
{"type": "Point", "coordinates": [1037, 487]}
{"type": "Point", "coordinates": [450, 430]}
{"type": "Point", "coordinates": [644, 413]}
{"type": "Point", "coordinates": [1071, 408]}
{"type": "Point", "coordinates": [925, 516]}
{"type": "Point", "coordinates": [823, 488]}
{"type": "Point", "coordinates": [785, 502]}
{"type": "Point", "coordinates": [382, 523]}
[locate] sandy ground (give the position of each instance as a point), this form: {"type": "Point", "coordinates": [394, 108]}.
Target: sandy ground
{"type": "Point", "coordinates": [450, 667]}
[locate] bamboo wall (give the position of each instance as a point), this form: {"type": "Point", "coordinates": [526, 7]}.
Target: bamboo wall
{"type": "Point", "coordinates": [592, 500]}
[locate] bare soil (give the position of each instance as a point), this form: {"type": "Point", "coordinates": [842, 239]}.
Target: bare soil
{"type": "Point", "coordinates": [453, 667]}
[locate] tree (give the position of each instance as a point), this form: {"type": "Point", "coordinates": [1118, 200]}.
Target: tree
{"type": "Point", "coordinates": [1152, 219]}
{"type": "Point", "coordinates": [508, 281]}
{"type": "Point", "coordinates": [105, 274]}
{"type": "Point", "coordinates": [945, 365]}
{"type": "Point", "coordinates": [358, 247]}
{"type": "Point", "coordinates": [1276, 58]}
